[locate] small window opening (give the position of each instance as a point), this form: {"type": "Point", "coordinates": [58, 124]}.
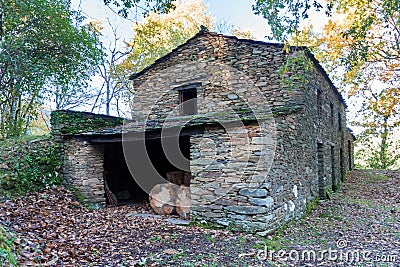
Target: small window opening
{"type": "Point", "coordinates": [349, 155]}
{"type": "Point", "coordinates": [321, 173]}
{"type": "Point", "coordinates": [341, 165]}
{"type": "Point", "coordinates": [332, 113]}
{"type": "Point", "coordinates": [188, 101]}
{"type": "Point", "coordinates": [340, 121]}
{"type": "Point", "coordinates": [333, 173]}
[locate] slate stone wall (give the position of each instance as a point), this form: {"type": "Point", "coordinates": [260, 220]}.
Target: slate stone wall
{"type": "Point", "coordinates": [236, 179]}
{"type": "Point", "coordinates": [248, 181]}
{"type": "Point", "coordinates": [324, 123]}
{"type": "Point", "coordinates": [237, 73]}
{"type": "Point", "coordinates": [82, 169]}
{"type": "Point", "coordinates": [251, 175]}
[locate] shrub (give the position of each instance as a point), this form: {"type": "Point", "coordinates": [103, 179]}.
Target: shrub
{"type": "Point", "coordinates": [28, 164]}
{"type": "Point", "coordinates": [7, 252]}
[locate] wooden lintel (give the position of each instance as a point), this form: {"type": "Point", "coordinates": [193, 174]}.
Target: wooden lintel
{"type": "Point", "coordinates": [148, 135]}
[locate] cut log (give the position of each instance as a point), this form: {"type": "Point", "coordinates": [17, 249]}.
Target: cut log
{"type": "Point", "coordinates": [182, 203]}
{"type": "Point", "coordinates": [168, 198]}
{"type": "Point", "coordinates": [167, 209]}
{"type": "Point", "coordinates": [160, 195]}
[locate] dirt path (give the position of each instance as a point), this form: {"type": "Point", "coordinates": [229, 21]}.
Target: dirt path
{"type": "Point", "coordinates": [362, 220]}
{"type": "Point", "coordinates": [360, 226]}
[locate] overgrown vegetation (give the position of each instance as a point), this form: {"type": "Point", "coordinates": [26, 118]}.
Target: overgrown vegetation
{"type": "Point", "coordinates": [198, 222]}
{"type": "Point", "coordinates": [28, 164]}
{"type": "Point", "coordinates": [311, 205]}
{"type": "Point", "coordinates": [377, 151]}
{"type": "Point", "coordinates": [7, 251]}
{"type": "Point", "coordinates": [71, 122]}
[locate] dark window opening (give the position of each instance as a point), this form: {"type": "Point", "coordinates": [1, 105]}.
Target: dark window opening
{"type": "Point", "coordinates": [349, 152]}
{"type": "Point", "coordinates": [332, 113]}
{"type": "Point", "coordinates": [319, 102]}
{"type": "Point", "coordinates": [333, 173]}
{"type": "Point", "coordinates": [321, 178]}
{"type": "Point", "coordinates": [340, 121]}
{"type": "Point", "coordinates": [341, 165]}
{"type": "Point", "coordinates": [188, 101]}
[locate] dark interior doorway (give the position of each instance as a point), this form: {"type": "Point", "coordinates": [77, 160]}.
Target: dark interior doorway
{"type": "Point", "coordinates": [119, 178]}
{"type": "Point", "coordinates": [163, 162]}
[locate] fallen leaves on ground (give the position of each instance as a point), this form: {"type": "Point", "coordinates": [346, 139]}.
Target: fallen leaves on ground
{"type": "Point", "coordinates": [362, 220]}
{"type": "Point", "coordinates": [53, 229]}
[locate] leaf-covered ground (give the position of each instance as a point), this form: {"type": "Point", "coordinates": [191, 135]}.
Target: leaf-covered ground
{"type": "Point", "coordinates": [360, 226]}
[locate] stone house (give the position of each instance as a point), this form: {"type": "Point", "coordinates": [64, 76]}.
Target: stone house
{"type": "Point", "coordinates": [260, 129]}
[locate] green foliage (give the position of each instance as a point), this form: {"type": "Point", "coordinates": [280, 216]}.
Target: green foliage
{"type": "Point", "coordinates": [44, 54]}
{"type": "Point", "coordinates": [377, 151]}
{"type": "Point", "coordinates": [285, 16]}
{"type": "Point", "coordinates": [159, 33]}
{"type": "Point", "coordinates": [204, 224]}
{"type": "Point", "coordinates": [28, 165]}
{"type": "Point", "coordinates": [209, 237]}
{"type": "Point", "coordinates": [376, 177]}
{"type": "Point", "coordinates": [7, 252]}
{"type": "Point", "coordinates": [123, 7]}
{"type": "Point", "coordinates": [274, 243]}
{"type": "Point", "coordinates": [311, 205]}
{"type": "Point", "coordinates": [360, 46]}
{"type": "Point", "coordinates": [294, 70]}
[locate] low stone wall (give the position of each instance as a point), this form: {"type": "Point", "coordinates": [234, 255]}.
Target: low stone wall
{"type": "Point", "coordinates": [83, 169]}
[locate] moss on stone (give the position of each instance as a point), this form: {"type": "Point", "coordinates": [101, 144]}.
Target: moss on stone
{"type": "Point", "coordinates": [246, 116]}
{"type": "Point", "coordinates": [72, 122]}
{"type": "Point", "coordinates": [79, 123]}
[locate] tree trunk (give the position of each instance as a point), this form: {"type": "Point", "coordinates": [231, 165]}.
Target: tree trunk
{"type": "Point", "coordinates": [383, 151]}
{"type": "Point", "coordinates": [108, 100]}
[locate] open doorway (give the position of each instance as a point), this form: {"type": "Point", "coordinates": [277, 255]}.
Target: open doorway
{"type": "Point", "coordinates": [170, 165]}
{"type": "Point", "coordinates": [121, 188]}
{"type": "Point", "coordinates": [118, 178]}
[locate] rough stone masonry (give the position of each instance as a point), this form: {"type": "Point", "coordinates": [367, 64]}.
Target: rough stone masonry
{"type": "Point", "coordinates": [267, 130]}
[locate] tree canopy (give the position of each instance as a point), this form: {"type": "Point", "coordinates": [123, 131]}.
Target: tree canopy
{"type": "Point", "coordinates": [360, 47]}
{"type": "Point", "coordinates": [158, 34]}
{"type": "Point", "coordinates": [42, 47]}
{"type": "Point", "coordinates": [123, 7]}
